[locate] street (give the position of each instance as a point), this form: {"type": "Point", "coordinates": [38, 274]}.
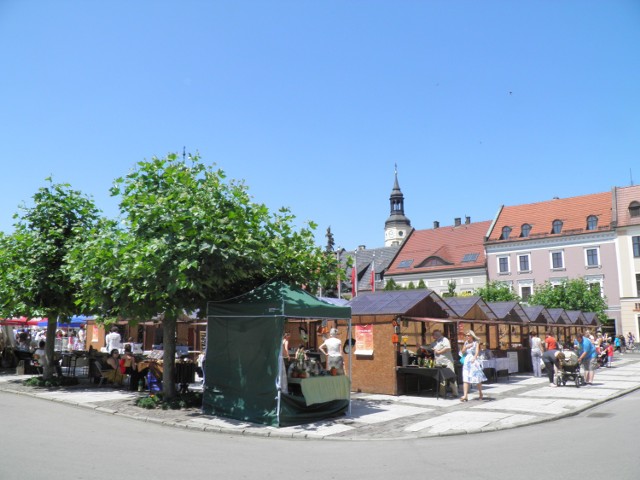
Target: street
{"type": "Point", "coordinates": [47, 440]}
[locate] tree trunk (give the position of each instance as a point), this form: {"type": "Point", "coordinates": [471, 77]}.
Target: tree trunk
{"type": "Point", "coordinates": [169, 326]}
{"type": "Point", "coordinates": [49, 348]}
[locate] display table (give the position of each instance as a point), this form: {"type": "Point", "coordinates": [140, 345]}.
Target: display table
{"type": "Point", "coordinates": [323, 389]}
{"type": "Point", "coordinates": [439, 374]}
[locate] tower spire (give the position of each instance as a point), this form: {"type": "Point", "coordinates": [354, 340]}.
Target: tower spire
{"type": "Point", "coordinates": [397, 225]}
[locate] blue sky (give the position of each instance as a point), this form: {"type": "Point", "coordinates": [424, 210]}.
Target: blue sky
{"type": "Point", "coordinates": [312, 103]}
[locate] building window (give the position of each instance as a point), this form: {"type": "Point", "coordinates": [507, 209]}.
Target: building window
{"type": "Point", "coordinates": [634, 209]}
{"type": "Point", "coordinates": [525, 293]}
{"type": "Point", "coordinates": [637, 285]}
{"type": "Point", "coordinates": [557, 260]}
{"type": "Point", "coordinates": [525, 230]}
{"type": "Point", "coordinates": [523, 263]}
{"type": "Point", "coordinates": [636, 246]}
{"type": "Point", "coordinates": [503, 264]}
{"type": "Point", "coordinates": [556, 227]}
{"type": "Point", "coordinates": [592, 257]}
{"type": "Point", "coordinates": [506, 231]}
{"type": "Point", "coordinates": [592, 222]}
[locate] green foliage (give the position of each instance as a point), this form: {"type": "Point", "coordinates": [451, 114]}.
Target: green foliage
{"type": "Point", "coordinates": [451, 288]}
{"type": "Point", "coordinates": [54, 382]}
{"type": "Point", "coordinates": [183, 400]}
{"type": "Point", "coordinates": [574, 294]}
{"type": "Point", "coordinates": [421, 284]}
{"type": "Point", "coordinates": [34, 280]}
{"type": "Point", "coordinates": [496, 291]}
{"type": "Point", "coordinates": [391, 285]}
{"type": "Point", "coordinates": [187, 236]}
{"type": "Point", "coordinates": [411, 286]}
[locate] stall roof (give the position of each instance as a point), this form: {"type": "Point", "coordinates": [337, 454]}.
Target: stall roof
{"type": "Point", "coordinates": [393, 302]}
{"type": "Point", "coordinates": [508, 311]}
{"type": "Point", "coordinates": [590, 318]}
{"type": "Point", "coordinates": [576, 317]}
{"type": "Point", "coordinates": [277, 299]}
{"type": "Point", "coordinates": [559, 316]}
{"type": "Point", "coordinates": [537, 314]}
{"type": "Point", "coordinates": [463, 306]}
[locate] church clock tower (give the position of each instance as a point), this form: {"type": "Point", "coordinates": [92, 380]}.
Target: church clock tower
{"type": "Point", "coordinates": [397, 226]}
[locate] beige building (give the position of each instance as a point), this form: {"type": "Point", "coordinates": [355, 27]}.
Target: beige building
{"type": "Point", "coordinates": [627, 221]}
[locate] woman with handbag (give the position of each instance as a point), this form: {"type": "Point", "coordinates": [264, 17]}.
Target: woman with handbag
{"type": "Point", "coordinates": [472, 368]}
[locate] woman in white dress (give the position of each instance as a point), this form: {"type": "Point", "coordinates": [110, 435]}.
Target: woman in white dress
{"type": "Point", "coordinates": [472, 368]}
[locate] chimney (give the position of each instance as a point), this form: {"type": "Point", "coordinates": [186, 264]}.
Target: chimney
{"type": "Point", "coordinates": [457, 221]}
{"type": "Point", "coordinates": [436, 224]}
{"type": "Point", "coordinates": [467, 220]}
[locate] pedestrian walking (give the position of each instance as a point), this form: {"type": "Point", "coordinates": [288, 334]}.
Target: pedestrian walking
{"type": "Point", "coordinates": [587, 357]}
{"type": "Point", "coordinates": [472, 368]}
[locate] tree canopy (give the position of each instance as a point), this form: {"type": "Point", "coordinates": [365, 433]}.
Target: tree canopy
{"type": "Point", "coordinates": [34, 280]}
{"type": "Point", "coordinates": [187, 236]}
{"type": "Point", "coordinates": [496, 291]}
{"type": "Point", "coordinates": [573, 294]}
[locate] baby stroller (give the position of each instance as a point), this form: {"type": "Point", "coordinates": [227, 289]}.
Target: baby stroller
{"type": "Point", "coordinates": [569, 369]}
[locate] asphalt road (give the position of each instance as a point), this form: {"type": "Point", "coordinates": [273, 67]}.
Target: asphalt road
{"type": "Point", "coordinates": [47, 440]}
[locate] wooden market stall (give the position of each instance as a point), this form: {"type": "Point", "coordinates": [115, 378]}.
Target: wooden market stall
{"type": "Point", "coordinates": [561, 326]}
{"type": "Point", "coordinates": [383, 323]}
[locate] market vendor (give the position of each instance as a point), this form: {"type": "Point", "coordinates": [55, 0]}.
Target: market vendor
{"type": "Point", "coordinates": [443, 358]}
{"type": "Point", "coordinates": [332, 348]}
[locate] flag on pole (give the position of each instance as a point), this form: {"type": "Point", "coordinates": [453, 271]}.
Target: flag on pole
{"type": "Point", "coordinates": [354, 278]}
{"type": "Point", "coordinates": [373, 274]}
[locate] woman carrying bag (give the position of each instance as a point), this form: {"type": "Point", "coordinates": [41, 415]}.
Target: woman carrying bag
{"type": "Point", "coordinates": [472, 367]}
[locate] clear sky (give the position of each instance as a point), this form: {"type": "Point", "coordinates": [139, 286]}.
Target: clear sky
{"type": "Point", "coordinates": [480, 103]}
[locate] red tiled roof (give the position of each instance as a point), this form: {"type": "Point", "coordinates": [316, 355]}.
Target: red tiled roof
{"type": "Point", "coordinates": [450, 244]}
{"type": "Point", "coordinates": [625, 197]}
{"type": "Point", "coordinates": [573, 213]}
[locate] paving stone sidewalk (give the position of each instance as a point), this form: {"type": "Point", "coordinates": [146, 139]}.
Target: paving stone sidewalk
{"type": "Point", "coordinates": [522, 400]}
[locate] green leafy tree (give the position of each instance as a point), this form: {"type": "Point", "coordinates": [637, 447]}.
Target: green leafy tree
{"type": "Point", "coordinates": [411, 286]}
{"type": "Point", "coordinates": [421, 284]}
{"type": "Point", "coordinates": [33, 259]}
{"type": "Point", "coordinates": [496, 291]}
{"type": "Point", "coordinates": [391, 285]}
{"type": "Point", "coordinates": [573, 294]}
{"type": "Point", "coordinates": [188, 236]}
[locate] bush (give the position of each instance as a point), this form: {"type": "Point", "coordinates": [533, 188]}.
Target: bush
{"type": "Point", "coordinates": [183, 400]}
{"type": "Point", "coordinates": [55, 382]}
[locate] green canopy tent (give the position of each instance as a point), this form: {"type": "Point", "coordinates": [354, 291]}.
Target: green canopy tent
{"type": "Point", "coordinates": [243, 365]}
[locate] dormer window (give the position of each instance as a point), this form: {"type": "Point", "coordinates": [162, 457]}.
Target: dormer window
{"type": "Point", "coordinates": [592, 222]}
{"type": "Point", "coordinates": [556, 226]}
{"type": "Point", "coordinates": [634, 209]}
{"type": "Point", "coordinates": [506, 231]}
{"type": "Point", "coordinates": [525, 230]}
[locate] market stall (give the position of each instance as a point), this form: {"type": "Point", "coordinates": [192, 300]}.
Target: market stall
{"type": "Point", "coordinates": [384, 324]}
{"type": "Point", "coordinates": [244, 372]}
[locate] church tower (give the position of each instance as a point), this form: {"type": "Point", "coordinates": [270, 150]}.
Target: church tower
{"type": "Point", "coordinates": [397, 226]}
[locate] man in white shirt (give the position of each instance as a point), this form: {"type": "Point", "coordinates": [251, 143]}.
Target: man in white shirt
{"type": "Point", "coordinates": [113, 339]}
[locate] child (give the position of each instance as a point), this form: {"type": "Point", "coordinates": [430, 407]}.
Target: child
{"type": "Point", "coordinates": [609, 355]}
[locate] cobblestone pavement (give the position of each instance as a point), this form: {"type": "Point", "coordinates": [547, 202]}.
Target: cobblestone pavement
{"type": "Point", "coordinates": [520, 400]}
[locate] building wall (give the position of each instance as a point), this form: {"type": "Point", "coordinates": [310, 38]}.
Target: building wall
{"type": "Point", "coordinates": [629, 267]}
{"type": "Point", "coordinates": [375, 374]}
{"type": "Point", "coordinates": [573, 249]}
{"type": "Point", "coordinates": [467, 280]}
